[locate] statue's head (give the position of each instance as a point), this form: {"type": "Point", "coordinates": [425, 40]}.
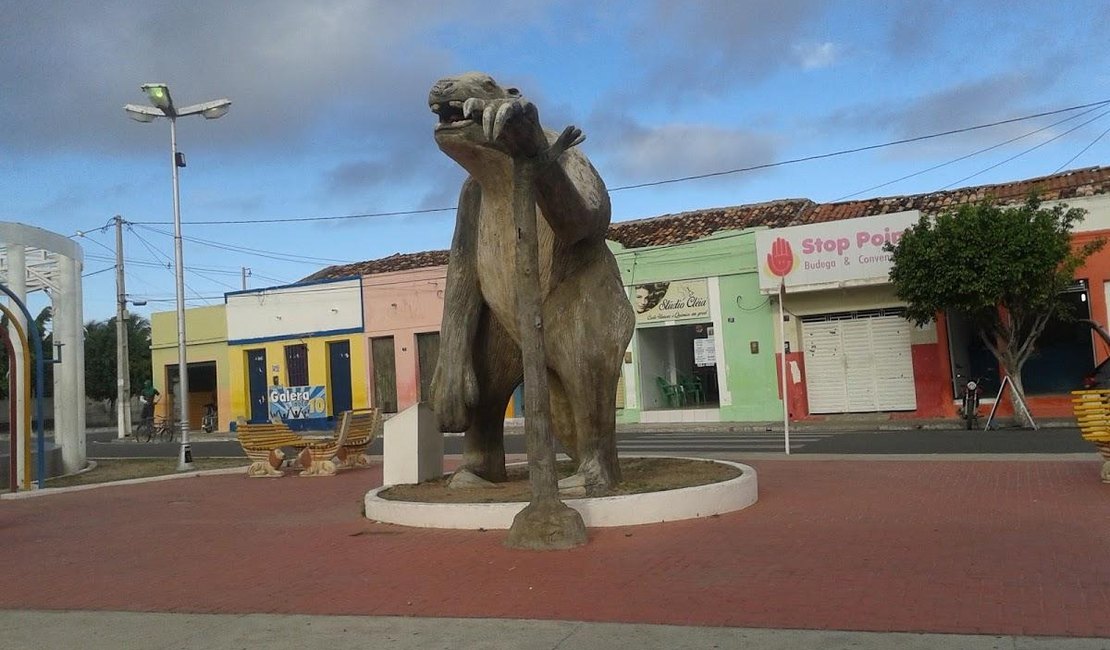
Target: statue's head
{"type": "Point", "coordinates": [446, 99]}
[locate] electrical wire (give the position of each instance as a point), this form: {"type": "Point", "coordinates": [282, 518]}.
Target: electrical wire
{"type": "Point", "coordinates": [276, 255]}
{"type": "Point", "coordinates": [211, 279]}
{"type": "Point", "coordinates": [1082, 151]}
{"type": "Point", "coordinates": [681, 179]}
{"type": "Point", "coordinates": [970, 155]}
{"type": "Point", "coordinates": [1030, 149]}
{"type": "Point", "coordinates": [92, 273]}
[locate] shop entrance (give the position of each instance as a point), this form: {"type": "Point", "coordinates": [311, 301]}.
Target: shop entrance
{"type": "Point", "coordinates": [202, 391]}
{"type": "Point", "coordinates": [858, 362]}
{"type": "Point", "coordinates": [1063, 353]}
{"type": "Point", "coordinates": [678, 368]}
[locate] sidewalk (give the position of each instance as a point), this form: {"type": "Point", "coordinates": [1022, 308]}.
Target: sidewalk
{"type": "Point", "coordinates": [833, 423]}
{"type": "Point", "coordinates": [1012, 548]}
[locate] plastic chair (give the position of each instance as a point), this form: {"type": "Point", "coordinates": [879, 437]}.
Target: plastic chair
{"type": "Point", "coordinates": [692, 386]}
{"type": "Point", "coordinates": [673, 394]}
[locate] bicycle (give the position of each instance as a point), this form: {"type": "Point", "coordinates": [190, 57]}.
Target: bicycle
{"type": "Point", "coordinates": [155, 427]}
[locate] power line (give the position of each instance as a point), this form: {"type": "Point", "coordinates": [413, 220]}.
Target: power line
{"type": "Point", "coordinates": [681, 179]}
{"type": "Point", "coordinates": [211, 279]}
{"type": "Point", "coordinates": [367, 215]}
{"type": "Point", "coordinates": [276, 255]}
{"type": "Point", "coordinates": [1030, 149]}
{"type": "Point", "coordinates": [92, 273]}
{"type": "Point", "coordinates": [843, 152]}
{"type": "Point", "coordinates": [1083, 150]}
{"type": "Point", "coordinates": [266, 277]}
{"type": "Point", "coordinates": [970, 155]}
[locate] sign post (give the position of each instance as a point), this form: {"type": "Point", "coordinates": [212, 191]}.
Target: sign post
{"type": "Point", "coordinates": [782, 367]}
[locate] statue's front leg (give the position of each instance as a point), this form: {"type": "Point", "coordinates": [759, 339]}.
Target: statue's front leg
{"type": "Point", "coordinates": [455, 390]}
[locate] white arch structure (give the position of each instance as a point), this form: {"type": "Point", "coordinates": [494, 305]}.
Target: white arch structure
{"type": "Point", "coordinates": [33, 259]}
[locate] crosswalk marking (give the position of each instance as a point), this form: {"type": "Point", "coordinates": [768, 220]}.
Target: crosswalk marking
{"type": "Point", "coordinates": [724, 441]}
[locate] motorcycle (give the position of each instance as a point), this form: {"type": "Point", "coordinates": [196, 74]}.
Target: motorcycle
{"type": "Point", "coordinates": [969, 408]}
{"type": "Point", "coordinates": [210, 420]}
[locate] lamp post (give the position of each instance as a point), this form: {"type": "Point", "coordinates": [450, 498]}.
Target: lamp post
{"type": "Point", "coordinates": [162, 106]}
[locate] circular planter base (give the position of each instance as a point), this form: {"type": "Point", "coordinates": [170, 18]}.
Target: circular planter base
{"type": "Point", "coordinates": [623, 510]}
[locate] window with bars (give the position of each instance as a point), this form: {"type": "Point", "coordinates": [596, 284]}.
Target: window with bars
{"type": "Point", "coordinates": [296, 365]}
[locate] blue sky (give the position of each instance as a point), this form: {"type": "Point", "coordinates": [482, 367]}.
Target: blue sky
{"type": "Point", "coordinates": [329, 114]}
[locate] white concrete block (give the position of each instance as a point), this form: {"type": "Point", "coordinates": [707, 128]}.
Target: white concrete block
{"type": "Point", "coordinates": [412, 447]}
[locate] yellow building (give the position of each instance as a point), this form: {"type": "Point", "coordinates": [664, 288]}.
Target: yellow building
{"type": "Point", "coordinates": [206, 353]}
{"type": "Point", "coordinates": [292, 341]}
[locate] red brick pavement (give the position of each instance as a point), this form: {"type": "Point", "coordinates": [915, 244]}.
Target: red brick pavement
{"type": "Point", "coordinates": [971, 547]}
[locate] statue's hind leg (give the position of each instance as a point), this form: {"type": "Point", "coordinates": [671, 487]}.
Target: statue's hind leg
{"type": "Point", "coordinates": [586, 341]}
{"type": "Point", "coordinates": [497, 364]}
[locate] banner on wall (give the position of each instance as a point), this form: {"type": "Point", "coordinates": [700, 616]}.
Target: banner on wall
{"type": "Point", "coordinates": [835, 253]}
{"type": "Point", "coordinates": [667, 301]}
{"type": "Point", "coordinates": [298, 402]}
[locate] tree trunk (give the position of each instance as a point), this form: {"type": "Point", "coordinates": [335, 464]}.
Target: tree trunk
{"type": "Point", "coordinates": [1021, 415]}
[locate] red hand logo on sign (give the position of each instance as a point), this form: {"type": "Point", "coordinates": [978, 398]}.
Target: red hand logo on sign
{"type": "Point", "coordinates": [780, 261]}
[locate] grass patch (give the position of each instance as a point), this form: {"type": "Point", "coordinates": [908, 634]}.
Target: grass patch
{"type": "Point", "coordinates": [640, 475]}
{"type": "Point", "coordinates": [119, 469]}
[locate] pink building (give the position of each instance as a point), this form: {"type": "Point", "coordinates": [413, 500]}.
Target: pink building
{"type": "Point", "coordinates": [403, 308]}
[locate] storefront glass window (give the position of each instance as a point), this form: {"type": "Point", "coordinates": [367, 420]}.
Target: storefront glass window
{"type": "Point", "coordinates": [677, 367]}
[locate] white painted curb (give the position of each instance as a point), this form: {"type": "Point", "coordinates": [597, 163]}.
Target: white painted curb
{"type": "Point", "coordinates": [31, 494]}
{"type": "Point", "coordinates": [623, 510]}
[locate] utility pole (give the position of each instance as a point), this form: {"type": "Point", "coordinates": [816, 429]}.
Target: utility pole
{"type": "Point", "coordinates": [246, 274]}
{"type": "Point", "coordinates": [123, 364]}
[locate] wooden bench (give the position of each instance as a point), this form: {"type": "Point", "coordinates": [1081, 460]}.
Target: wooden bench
{"type": "Point", "coordinates": [263, 442]}
{"type": "Point", "coordinates": [1092, 414]}
{"type": "Point", "coordinates": [362, 428]}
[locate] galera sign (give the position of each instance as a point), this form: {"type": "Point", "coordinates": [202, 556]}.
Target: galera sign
{"type": "Point", "coordinates": [833, 254]}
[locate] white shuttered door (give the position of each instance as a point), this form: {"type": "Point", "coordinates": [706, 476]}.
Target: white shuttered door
{"type": "Point", "coordinates": [858, 363]}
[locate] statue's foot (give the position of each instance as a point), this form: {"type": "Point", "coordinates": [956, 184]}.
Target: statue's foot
{"type": "Point", "coordinates": [466, 479]}
{"type": "Point", "coordinates": [490, 467]}
{"type": "Point", "coordinates": [590, 479]}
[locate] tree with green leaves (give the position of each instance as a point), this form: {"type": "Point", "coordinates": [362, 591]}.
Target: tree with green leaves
{"type": "Point", "coordinates": [100, 356]}
{"type": "Point", "coordinates": [1003, 267]}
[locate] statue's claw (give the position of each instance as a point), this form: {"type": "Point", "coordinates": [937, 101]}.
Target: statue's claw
{"type": "Point", "coordinates": [571, 136]}
{"type": "Point", "coordinates": [488, 115]}
{"type": "Point", "coordinates": [473, 106]}
{"type": "Point", "coordinates": [505, 112]}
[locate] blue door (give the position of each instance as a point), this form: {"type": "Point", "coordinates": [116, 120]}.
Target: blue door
{"type": "Point", "coordinates": [256, 377]}
{"type": "Point", "coordinates": [339, 376]}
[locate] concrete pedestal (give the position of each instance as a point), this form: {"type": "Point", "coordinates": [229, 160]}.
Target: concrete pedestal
{"type": "Point", "coordinates": [412, 447]}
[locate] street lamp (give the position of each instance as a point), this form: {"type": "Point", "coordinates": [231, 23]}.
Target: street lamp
{"type": "Point", "coordinates": [162, 106]}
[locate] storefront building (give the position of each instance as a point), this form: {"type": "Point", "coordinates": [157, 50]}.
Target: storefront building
{"type": "Point", "coordinates": [703, 349]}
{"type": "Point", "coordinates": [297, 352]}
{"type": "Point", "coordinates": [849, 348]}
{"type": "Point", "coordinates": [207, 356]}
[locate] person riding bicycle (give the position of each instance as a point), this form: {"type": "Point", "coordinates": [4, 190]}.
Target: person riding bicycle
{"type": "Point", "coordinates": [148, 396]}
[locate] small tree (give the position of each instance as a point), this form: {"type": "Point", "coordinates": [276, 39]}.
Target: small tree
{"type": "Point", "coordinates": [1004, 267]}
{"type": "Point", "coordinates": [100, 356]}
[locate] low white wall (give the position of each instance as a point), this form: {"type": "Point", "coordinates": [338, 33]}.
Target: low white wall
{"type": "Point", "coordinates": [601, 512]}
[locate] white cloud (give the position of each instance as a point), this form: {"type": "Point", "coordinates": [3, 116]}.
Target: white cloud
{"type": "Point", "coordinates": [675, 150]}
{"type": "Point", "coordinates": [819, 55]}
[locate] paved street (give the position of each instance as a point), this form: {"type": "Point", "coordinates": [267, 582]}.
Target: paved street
{"type": "Point", "coordinates": [1002, 547]}
{"type": "Point", "coordinates": [806, 441]}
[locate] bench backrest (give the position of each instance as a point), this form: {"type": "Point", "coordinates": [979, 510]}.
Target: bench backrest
{"type": "Point", "coordinates": [266, 434]}
{"type": "Point", "coordinates": [363, 425]}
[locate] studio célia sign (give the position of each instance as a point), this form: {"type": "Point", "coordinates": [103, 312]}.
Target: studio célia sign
{"type": "Point", "coordinates": [298, 402]}
{"type": "Point", "coordinates": [674, 300]}
{"type": "Point", "coordinates": [836, 253]}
